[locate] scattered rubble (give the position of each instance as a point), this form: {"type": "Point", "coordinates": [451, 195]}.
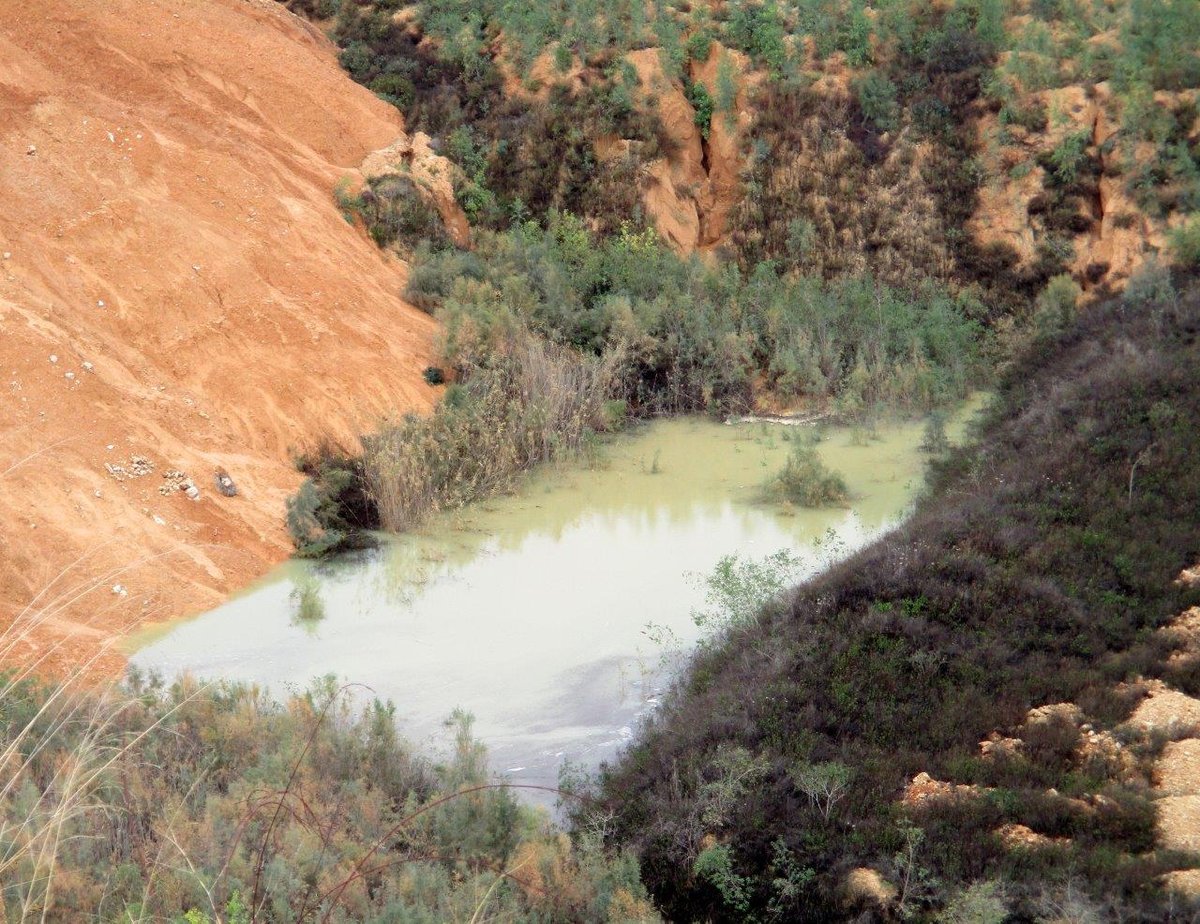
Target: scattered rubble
{"type": "Point", "coordinates": [178, 481]}
{"type": "Point", "coordinates": [137, 467]}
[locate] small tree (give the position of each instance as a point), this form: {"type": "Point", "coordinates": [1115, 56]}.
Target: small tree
{"type": "Point", "coordinates": [1055, 306]}
{"type": "Point", "coordinates": [824, 784]}
{"type": "Point", "coordinates": [877, 96]}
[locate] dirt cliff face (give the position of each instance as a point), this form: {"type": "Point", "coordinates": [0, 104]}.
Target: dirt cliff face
{"type": "Point", "coordinates": [689, 195]}
{"type": "Point", "coordinates": [178, 294]}
{"type": "Point", "coordinates": [1114, 235]}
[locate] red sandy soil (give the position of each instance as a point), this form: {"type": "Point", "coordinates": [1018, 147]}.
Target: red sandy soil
{"type": "Point", "coordinates": [166, 171]}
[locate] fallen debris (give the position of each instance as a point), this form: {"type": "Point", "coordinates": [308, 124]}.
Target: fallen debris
{"type": "Point", "coordinates": [136, 467]}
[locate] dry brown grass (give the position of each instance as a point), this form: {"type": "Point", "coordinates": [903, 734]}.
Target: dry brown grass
{"type": "Point", "coordinates": [533, 403]}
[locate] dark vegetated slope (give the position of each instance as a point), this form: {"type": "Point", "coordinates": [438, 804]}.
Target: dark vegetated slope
{"type": "Point", "coordinates": [1031, 574]}
{"type": "Point", "coordinates": [520, 156]}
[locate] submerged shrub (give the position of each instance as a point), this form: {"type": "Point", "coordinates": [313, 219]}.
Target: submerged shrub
{"type": "Point", "coordinates": [807, 481]}
{"type": "Point", "coordinates": [934, 440]}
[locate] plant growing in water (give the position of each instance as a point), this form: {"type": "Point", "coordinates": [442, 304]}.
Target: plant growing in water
{"type": "Point", "coordinates": [934, 441]}
{"type": "Point", "coordinates": [310, 608]}
{"type": "Point", "coordinates": [807, 481]}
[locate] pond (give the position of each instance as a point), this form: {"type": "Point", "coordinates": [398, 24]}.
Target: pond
{"type": "Point", "coordinates": [530, 610]}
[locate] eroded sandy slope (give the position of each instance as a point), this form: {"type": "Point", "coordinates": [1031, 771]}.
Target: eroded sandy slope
{"type": "Point", "coordinates": [177, 284]}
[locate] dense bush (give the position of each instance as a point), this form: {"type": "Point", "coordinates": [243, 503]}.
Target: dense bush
{"type": "Point", "coordinates": [1035, 572]}
{"type": "Point", "coordinates": [695, 338]}
{"type": "Point", "coordinates": [395, 211]}
{"type": "Point", "coordinates": [332, 511]}
{"type": "Point", "coordinates": [805, 480]}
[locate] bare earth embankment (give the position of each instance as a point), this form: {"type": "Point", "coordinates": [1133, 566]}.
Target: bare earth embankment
{"type": "Point", "coordinates": [178, 293]}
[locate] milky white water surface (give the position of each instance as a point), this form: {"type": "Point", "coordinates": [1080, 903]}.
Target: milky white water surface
{"type": "Point", "coordinates": [529, 611]}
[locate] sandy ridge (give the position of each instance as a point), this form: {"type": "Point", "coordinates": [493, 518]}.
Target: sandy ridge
{"type": "Point", "coordinates": [177, 284]}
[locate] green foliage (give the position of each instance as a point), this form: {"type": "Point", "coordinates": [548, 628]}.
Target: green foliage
{"type": "Point", "coordinates": [854, 36]}
{"type": "Point", "coordinates": [702, 102]}
{"type": "Point", "coordinates": [331, 512]}
{"type": "Point", "coordinates": [212, 802]}
{"type": "Point", "coordinates": [1069, 156]}
{"type": "Point", "coordinates": [715, 866]}
{"type": "Point", "coordinates": [725, 91]}
{"type": "Point", "coordinates": [694, 337]}
{"type": "Point", "coordinates": [824, 784]}
{"type": "Point", "coordinates": [805, 480]}
{"type": "Point", "coordinates": [699, 45]}
{"type": "Point", "coordinates": [934, 441]}
{"type": "Point", "coordinates": [739, 589]}
{"type": "Point", "coordinates": [395, 211]}
{"type": "Point", "coordinates": [1161, 39]}
{"type": "Point", "coordinates": [1185, 243]}
{"type": "Point", "coordinates": [1056, 306]}
{"type": "Point", "coordinates": [877, 96]}
{"type": "Point", "coordinates": [980, 903]}
{"type": "Point", "coordinates": [310, 608]}
{"type": "Point", "coordinates": [758, 30]}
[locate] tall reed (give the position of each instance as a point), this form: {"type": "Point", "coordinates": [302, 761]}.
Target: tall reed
{"type": "Point", "coordinates": [532, 402]}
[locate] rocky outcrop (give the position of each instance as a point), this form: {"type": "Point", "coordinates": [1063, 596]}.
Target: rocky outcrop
{"type": "Point", "coordinates": [413, 156]}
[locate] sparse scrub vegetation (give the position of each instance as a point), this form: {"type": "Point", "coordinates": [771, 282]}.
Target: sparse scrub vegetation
{"type": "Point", "coordinates": [193, 803]}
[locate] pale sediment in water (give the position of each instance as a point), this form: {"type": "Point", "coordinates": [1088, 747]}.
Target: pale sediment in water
{"type": "Point", "coordinates": [529, 610]}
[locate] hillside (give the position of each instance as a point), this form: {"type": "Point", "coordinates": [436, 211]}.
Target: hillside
{"type": "Point", "coordinates": [971, 712]}
{"type": "Point", "coordinates": [177, 284]}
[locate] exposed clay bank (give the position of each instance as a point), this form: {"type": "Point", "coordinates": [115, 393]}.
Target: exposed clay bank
{"type": "Point", "coordinates": [529, 611]}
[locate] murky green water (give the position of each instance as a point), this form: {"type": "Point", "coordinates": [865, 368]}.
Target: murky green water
{"type": "Point", "coordinates": [530, 610]}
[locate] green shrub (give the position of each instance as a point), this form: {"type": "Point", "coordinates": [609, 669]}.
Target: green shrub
{"type": "Point", "coordinates": [1069, 156]}
{"type": "Point", "coordinates": [331, 512]}
{"type": "Point", "coordinates": [396, 211]}
{"type": "Point", "coordinates": [934, 440]}
{"type": "Point", "coordinates": [702, 102]}
{"type": "Point", "coordinates": [877, 96]}
{"type": "Point", "coordinates": [196, 802]}
{"type": "Point", "coordinates": [1185, 243]}
{"type": "Point", "coordinates": [1056, 306]}
{"type": "Point", "coordinates": [806, 481]}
